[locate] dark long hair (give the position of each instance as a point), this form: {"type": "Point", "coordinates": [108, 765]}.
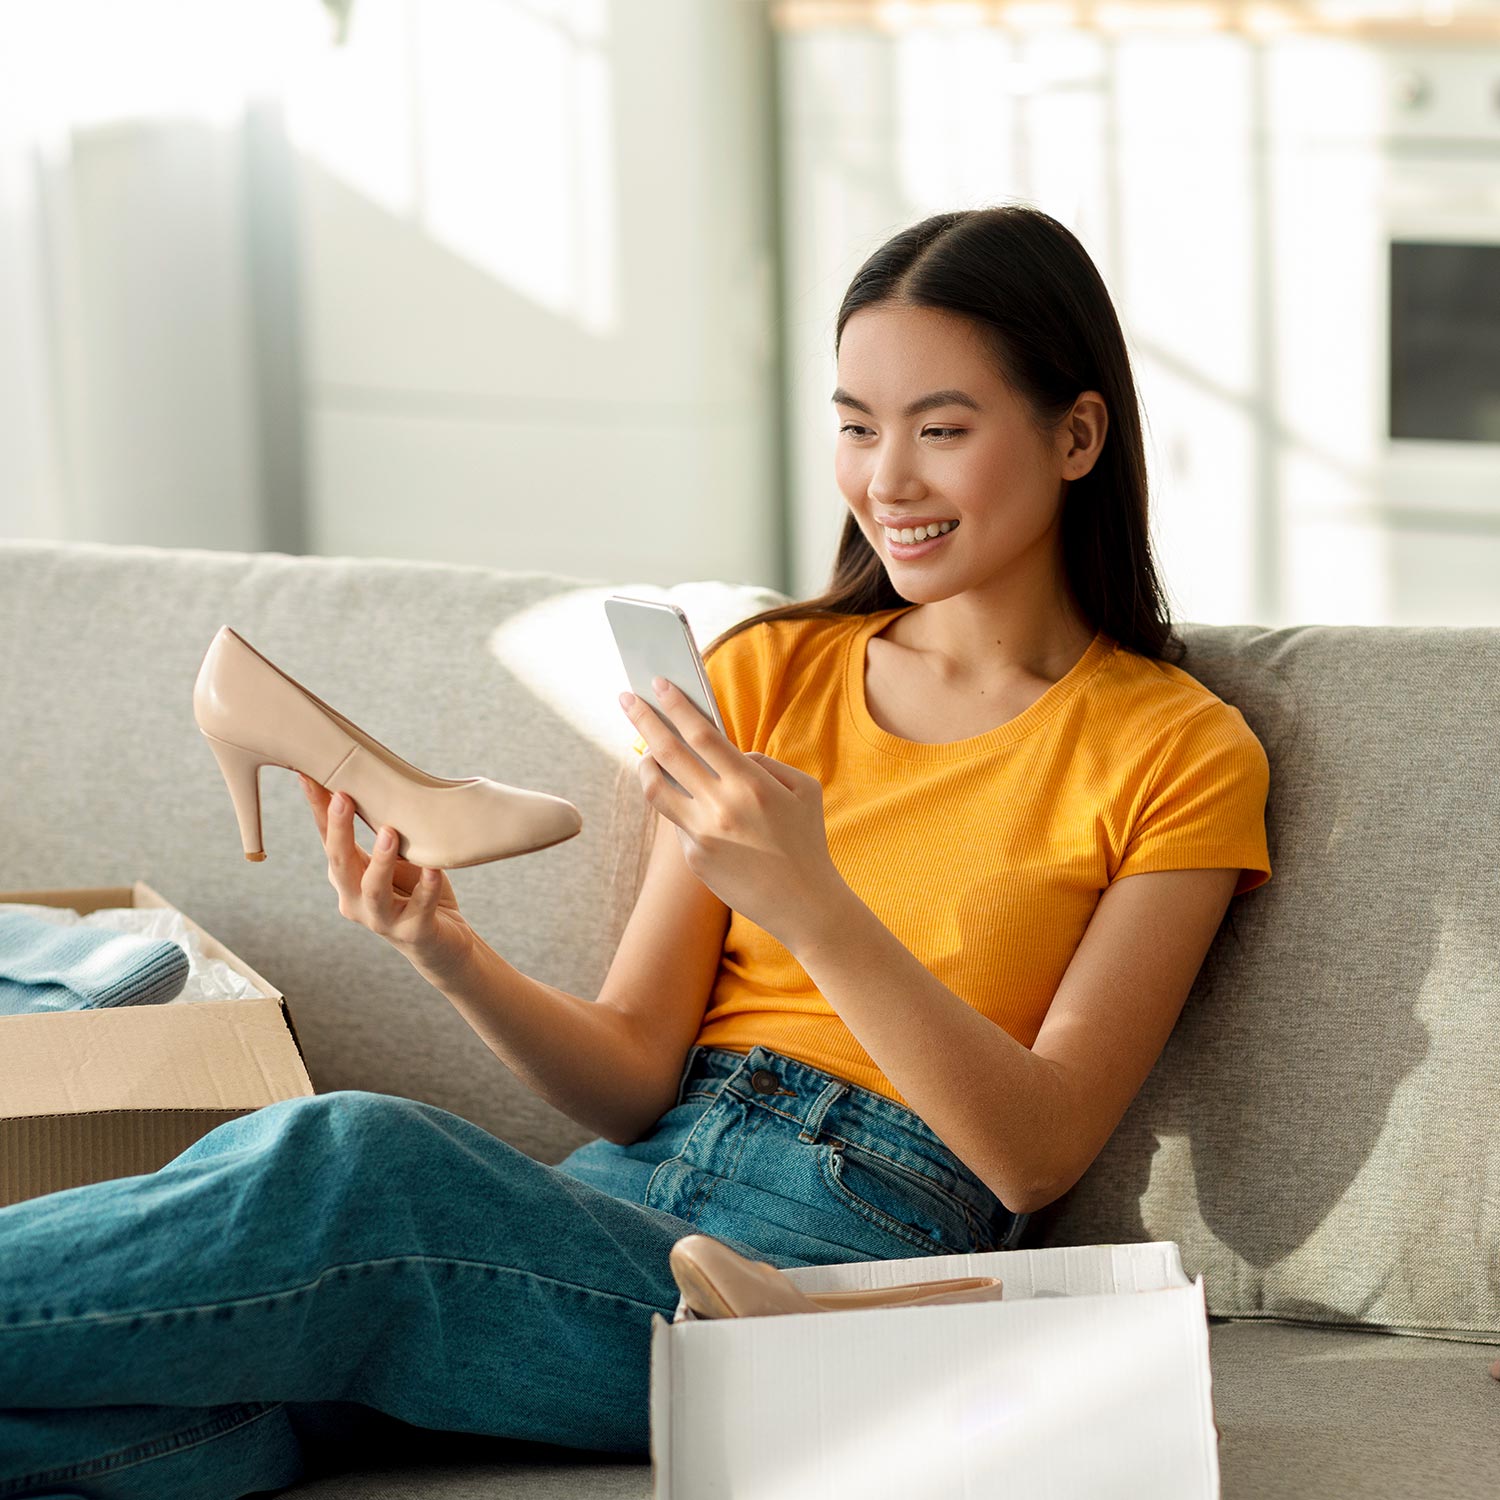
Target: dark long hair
{"type": "Point", "coordinates": [1038, 301]}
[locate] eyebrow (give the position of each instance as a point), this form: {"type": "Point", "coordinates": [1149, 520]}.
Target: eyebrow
{"type": "Point", "coordinates": [841, 397]}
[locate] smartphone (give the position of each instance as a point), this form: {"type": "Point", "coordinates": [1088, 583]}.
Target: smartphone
{"type": "Point", "coordinates": [655, 640]}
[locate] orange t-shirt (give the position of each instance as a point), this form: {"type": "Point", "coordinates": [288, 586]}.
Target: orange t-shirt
{"type": "Point", "coordinates": [984, 856]}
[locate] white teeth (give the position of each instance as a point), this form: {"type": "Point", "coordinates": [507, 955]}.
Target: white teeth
{"type": "Point", "coordinates": [909, 534]}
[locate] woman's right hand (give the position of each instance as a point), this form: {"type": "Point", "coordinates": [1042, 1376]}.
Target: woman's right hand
{"type": "Point", "coordinates": [412, 908]}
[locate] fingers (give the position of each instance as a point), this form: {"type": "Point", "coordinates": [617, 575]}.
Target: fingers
{"type": "Point", "coordinates": [367, 886]}
{"type": "Point", "coordinates": [688, 759]}
{"type": "Point", "coordinates": [317, 799]}
{"type": "Point", "coordinates": [375, 887]}
{"type": "Point", "coordinates": [699, 734]}
{"type": "Point", "coordinates": [334, 814]}
{"type": "Point", "coordinates": [421, 904]}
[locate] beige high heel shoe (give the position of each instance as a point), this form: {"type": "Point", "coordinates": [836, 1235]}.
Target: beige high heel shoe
{"type": "Point", "coordinates": [252, 715]}
{"type": "Point", "coordinates": [718, 1282]}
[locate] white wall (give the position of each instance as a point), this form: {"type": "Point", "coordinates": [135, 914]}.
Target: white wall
{"type": "Point", "coordinates": [490, 283]}
{"type": "Point", "coordinates": [537, 256]}
{"type": "Point", "coordinates": [30, 482]}
{"type": "Point", "coordinates": [127, 322]}
{"type": "Point", "coordinates": [127, 338]}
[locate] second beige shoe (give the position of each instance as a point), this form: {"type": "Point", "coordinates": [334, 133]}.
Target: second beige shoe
{"type": "Point", "coordinates": [716, 1281]}
{"type": "Point", "coordinates": [253, 714]}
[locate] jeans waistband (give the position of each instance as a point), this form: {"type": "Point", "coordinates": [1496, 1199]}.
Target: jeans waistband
{"type": "Point", "coordinates": [828, 1107]}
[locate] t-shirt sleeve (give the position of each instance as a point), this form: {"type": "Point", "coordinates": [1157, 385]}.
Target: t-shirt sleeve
{"type": "Point", "coordinates": [1206, 805]}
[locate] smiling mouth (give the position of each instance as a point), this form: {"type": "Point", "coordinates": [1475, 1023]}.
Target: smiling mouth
{"type": "Point", "coordinates": [915, 548]}
{"type": "Point", "coordinates": [896, 533]}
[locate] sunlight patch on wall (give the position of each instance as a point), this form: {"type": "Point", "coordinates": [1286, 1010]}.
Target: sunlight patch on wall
{"type": "Point", "coordinates": [489, 125]}
{"type": "Point", "coordinates": [350, 108]}
{"type": "Point", "coordinates": [70, 64]}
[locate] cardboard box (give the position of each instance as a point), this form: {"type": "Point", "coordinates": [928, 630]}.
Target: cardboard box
{"type": "Point", "coordinates": [1091, 1377]}
{"type": "Point", "coordinates": [87, 1095]}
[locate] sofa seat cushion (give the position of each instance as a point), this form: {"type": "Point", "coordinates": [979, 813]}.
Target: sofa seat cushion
{"type": "Point", "coordinates": [1305, 1413]}
{"type": "Point", "coordinates": [1322, 1412]}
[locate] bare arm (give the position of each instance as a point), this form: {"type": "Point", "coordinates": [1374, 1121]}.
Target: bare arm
{"type": "Point", "coordinates": [582, 1056]}
{"type": "Point", "coordinates": [611, 1064]}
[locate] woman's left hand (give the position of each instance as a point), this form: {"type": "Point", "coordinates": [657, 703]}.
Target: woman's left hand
{"type": "Point", "coordinates": [751, 827]}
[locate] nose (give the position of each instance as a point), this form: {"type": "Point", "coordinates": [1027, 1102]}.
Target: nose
{"type": "Point", "coordinates": [892, 481]}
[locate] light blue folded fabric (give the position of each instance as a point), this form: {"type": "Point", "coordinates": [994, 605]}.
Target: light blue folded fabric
{"type": "Point", "coordinates": [45, 966]}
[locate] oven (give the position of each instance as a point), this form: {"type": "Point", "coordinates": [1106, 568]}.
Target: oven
{"type": "Point", "coordinates": [1440, 313]}
{"type": "Point", "coordinates": [1382, 175]}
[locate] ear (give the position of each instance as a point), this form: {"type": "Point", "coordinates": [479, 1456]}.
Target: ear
{"type": "Point", "coordinates": [1084, 434]}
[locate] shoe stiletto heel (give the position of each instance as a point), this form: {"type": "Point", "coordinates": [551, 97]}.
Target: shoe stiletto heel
{"type": "Point", "coordinates": [253, 714]}
{"type": "Point", "coordinates": [241, 769]}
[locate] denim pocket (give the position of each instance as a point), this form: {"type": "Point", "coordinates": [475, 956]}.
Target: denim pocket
{"type": "Point", "coordinates": [911, 1208]}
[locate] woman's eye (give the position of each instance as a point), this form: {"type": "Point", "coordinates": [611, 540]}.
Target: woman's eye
{"type": "Point", "coordinates": [940, 432]}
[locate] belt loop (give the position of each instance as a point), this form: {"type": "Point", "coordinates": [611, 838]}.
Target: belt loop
{"type": "Point", "coordinates": [813, 1120]}
{"type": "Point", "coordinates": [687, 1068]}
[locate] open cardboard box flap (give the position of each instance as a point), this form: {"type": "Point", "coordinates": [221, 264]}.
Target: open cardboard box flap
{"type": "Point", "coordinates": [87, 1095]}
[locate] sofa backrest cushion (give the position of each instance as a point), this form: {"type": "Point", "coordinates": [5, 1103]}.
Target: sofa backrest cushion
{"type": "Point", "coordinates": [1322, 1132]}
{"type": "Point", "coordinates": [1320, 1135]}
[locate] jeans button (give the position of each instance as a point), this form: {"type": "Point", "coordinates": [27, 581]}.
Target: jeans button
{"type": "Point", "coordinates": [764, 1081]}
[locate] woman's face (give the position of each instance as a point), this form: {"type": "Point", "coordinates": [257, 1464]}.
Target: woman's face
{"type": "Point", "coordinates": [982, 465]}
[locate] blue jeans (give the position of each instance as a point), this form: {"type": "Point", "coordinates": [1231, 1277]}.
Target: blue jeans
{"type": "Point", "coordinates": [186, 1331]}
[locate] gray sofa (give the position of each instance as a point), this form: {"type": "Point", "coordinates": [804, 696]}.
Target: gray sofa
{"type": "Point", "coordinates": [1320, 1136]}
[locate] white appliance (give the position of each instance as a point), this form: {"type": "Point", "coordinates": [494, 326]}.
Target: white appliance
{"type": "Point", "coordinates": [1383, 174]}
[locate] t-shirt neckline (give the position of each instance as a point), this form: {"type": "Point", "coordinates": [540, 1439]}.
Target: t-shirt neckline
{"type": "Point", "coordinates": [1099, 650]}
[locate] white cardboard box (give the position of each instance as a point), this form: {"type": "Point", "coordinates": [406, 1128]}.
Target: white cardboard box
{"type": "Point", "coordinates": [1089, 1379]}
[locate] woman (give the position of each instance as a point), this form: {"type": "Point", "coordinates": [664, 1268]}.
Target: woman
{"type": "Point", "coordinates": [885, 992]}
